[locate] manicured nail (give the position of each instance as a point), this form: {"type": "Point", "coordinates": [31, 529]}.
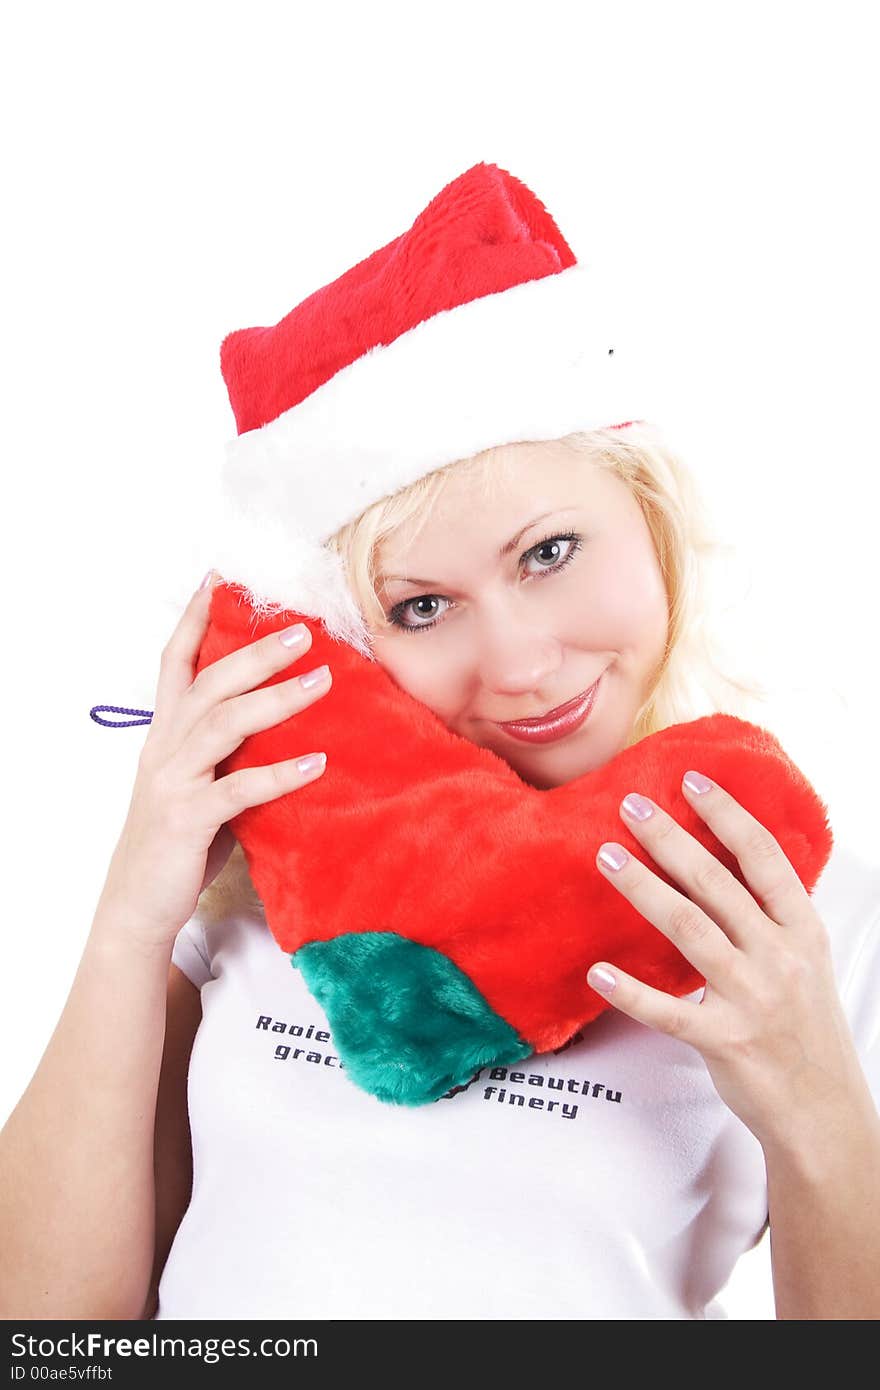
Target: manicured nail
{"type": "Point", "coordinates": [316, 677]}
{"type": "Point", "coordinates": [600, 978]}
{"type": "Point", "coordinates": [312, 762]}
{"type": "Point", "coordinates": [207, 579]}
{"type": "Point", "coordinates": [291, 635]}
{"type": "Point", "coordinates": [613, 856]}
{"type": "Point", "coordinates": [696, 782]}
{"type": "Point", "coordinates": [637, 806]}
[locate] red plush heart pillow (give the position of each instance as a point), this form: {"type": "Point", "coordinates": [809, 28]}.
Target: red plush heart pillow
{"type": "Point", "coordinates": [444, 912]}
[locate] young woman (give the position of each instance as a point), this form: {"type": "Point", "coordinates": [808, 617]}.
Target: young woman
{"type": "Point", "coordinates": [619, 1177]}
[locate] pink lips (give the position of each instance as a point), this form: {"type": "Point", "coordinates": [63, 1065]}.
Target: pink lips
{"type": "Point", "coordinates": [559, 722]}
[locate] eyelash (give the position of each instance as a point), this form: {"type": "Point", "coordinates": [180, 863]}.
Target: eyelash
{"type": "Point", "coordinates": [576, 543]}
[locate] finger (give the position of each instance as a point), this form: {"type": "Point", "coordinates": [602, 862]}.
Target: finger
{"type": "Point", "coordinates": [181, 651]}
{"type": "Point", "coordinates": [225, 726]}
{"type": "Point", "coordinates": [766, 869]}
{"type": "Point", "coordinates": [254, 786]}
{"type": "Point", "coordinates": [248, 667]}
{"type": "Point", "coordinates": [696, 871]}
{"type": "Point", "coordinates": [696, 936]}
{"type": "Point", "coordinates": [679, 1018]}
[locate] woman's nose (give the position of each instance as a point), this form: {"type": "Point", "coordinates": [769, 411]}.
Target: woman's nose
{"type": "Point", "coordinates": [514, 656]}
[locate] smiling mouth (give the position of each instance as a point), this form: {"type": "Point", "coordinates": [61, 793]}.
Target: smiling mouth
{"type": "Point", "coordinates": [535, 721]}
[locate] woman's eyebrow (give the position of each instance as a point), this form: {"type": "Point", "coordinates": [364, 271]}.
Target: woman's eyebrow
{"type": "Point", "coordinates": [505, 550]}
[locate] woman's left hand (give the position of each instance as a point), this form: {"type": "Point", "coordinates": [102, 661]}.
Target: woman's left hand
{"type": "Point", "coordinates": [770, 1026]}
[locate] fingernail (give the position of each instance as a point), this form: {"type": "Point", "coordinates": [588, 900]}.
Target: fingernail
{"type": "Point", "coordinates": [637, 806]}
{"type": "Point", "coordinates": [613, 856]}
{"type": "Point", "coordinates": [696, 782]}
{"type": "Point", "coordinates": [291, 635]}
{"type": "Point", "coordinates": [312, 762]}
{"type": "Point", "coordinates": [600, 978]}
{"type": "Point", "coordinates": [206, 581]}
{"type": "Point", "coordinates": [315, 677]}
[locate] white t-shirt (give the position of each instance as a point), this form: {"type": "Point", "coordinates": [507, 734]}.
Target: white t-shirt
{"type": "Point", "coordinates": [606, 1180]}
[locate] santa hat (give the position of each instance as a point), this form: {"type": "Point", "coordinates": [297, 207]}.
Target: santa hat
{"type": "Point", "coordinates": [476, 327]}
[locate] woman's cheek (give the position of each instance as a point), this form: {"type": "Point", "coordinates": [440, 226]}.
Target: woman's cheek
{"type": "Point", "coordinates": [625, 606]}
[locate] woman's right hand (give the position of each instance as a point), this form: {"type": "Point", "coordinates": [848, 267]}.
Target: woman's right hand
{"type": "Point", "coordinates": [175, 839]}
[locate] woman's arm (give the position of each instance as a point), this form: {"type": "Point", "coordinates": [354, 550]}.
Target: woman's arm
{"type": "Point", "coordinates": [77, 1192]}
{"type": "Point", "coordinates": [823, 1185]}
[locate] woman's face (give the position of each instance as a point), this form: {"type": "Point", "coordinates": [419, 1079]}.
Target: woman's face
{"type": "Point", "coordinates": [491, 637]}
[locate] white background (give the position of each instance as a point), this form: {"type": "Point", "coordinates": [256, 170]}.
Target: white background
{"type": "Point", "coordinates": [174, 171]}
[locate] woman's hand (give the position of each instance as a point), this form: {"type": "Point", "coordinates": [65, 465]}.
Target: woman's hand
{"type": "Point", "coordinates": [176, 836]}
{"type": "Point", "coordinates": [770, 1026]}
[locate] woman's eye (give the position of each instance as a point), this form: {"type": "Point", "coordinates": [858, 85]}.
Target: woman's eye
{"type": "Point", "coordinates": [547, 565]}
{"type": "Point", "coordinates": [552, 544]}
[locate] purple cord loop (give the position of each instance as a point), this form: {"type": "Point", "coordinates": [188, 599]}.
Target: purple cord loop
{"type": "Point", "coordinates": [119, 723]}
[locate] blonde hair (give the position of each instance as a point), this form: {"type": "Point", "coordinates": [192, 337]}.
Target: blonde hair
{"type": "Point", "coordinates": [693, 678]}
